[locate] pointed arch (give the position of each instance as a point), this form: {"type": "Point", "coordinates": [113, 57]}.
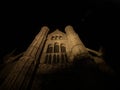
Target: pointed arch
{"type": "Point", "coordinates": [49, 48]}
{"type": "Point", "coordinates": [56, 37]}
{"type": "Point", "coordinates": [63, 48]}
{"type": "Point", "coordinates": [53, 38]}
{"type": "Point", "coordinates": [60, 37]}
{"type": "Point", "coordinates": [56, 47]}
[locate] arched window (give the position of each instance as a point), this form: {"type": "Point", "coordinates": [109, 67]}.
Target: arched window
{"type": "Point", "coordinates": [56, 37]}
{"type": "Point", "coordinates": [49, 48]}
{"type": "Point", "coordinates": [53, 38]}
{"type": "Point", "coordinates": [48, 59]}
{"type": "Point", "coordinates": [60, 37]}
{"type": "Point", "coordinates": [56, 47]}
{"type": "Point", "coordinates": [63, 49]}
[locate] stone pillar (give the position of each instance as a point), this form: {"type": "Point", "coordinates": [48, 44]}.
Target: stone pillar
{"type": "Point", "coordinates": [20, 76]}
{"type": "Point", "coordinates": [77, 48]}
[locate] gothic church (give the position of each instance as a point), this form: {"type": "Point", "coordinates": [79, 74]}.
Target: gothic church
{"type": "Point", "coordinates": [53, 61]}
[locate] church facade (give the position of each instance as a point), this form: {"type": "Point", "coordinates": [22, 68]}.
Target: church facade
{"type": "Point", "coordinates": [48, 53]}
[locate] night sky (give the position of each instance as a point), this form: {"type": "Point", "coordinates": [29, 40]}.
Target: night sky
{"type": "Point", "coordinates": [96, 22]}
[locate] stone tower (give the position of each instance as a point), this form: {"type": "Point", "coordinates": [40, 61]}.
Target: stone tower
{"type": "Point", "coordinates": [47, 54]}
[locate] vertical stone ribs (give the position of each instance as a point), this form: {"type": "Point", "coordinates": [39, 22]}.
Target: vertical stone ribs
{"type": "Point", "coordinates": [22, 72]}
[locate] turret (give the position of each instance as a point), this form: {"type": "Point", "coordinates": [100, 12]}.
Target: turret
{"type": "Point", "coordinates": [22, 72]}
{"type": "Point", "coordinates": [36, 46]}
{"type": "Point", "coordinates": [76, 46]}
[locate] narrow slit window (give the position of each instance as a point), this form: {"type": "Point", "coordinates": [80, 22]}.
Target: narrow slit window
{"type": "Point", "coordinates": [58, 59]}
{"type": "Point", "coordinates": [49, 60]}
{"type": "Point", "coordinates": [46, 59]}
{"type": "Point", "coordinates": [66, 60]}
{"type": "Point", "coordinates": [54, 59]}
{"type": "Point", "coordinates": [62, 58]}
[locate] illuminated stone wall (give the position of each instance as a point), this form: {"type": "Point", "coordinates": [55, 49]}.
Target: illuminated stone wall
{"type": "Point", "coordinates": [49, 53]}
{"type": "Point", "coordinates": [23, 70]}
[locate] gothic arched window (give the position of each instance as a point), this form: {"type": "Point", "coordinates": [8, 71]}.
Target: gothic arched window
{"type": "Point", "coordinates": [56, 37]}
{"type": "Point", "coordinates": [56, 47]}
{"type": "Point", "coordinates": [49, 48]}
{"type": "Point", "coordinates": [63, 49]}
{"type": "Point", "coordinates": [53, 38]}
{"type": "Point", "coordinates": [48, 59]}
{"type": "Point", "coordinates": [60, 37]}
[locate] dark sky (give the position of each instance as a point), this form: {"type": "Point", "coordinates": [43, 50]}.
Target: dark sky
{"type": "Point", "coordinates": [97, 23]}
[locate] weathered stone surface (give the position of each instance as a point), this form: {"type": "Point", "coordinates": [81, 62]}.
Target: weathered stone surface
{"type": "Point", "coordinates": [55, 61]}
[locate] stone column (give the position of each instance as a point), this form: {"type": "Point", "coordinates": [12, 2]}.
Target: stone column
{"type": "Point", "coordinates": [20, 76]}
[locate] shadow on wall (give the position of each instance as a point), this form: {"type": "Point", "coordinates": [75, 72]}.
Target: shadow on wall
{"type": "Point", "coordinates": [82, 75]}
